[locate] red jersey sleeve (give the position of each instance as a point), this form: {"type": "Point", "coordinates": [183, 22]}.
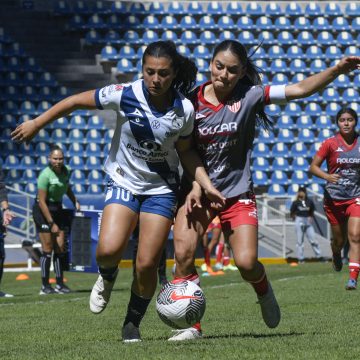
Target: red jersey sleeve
{"type": "Point", "coordinates": [323, 151]}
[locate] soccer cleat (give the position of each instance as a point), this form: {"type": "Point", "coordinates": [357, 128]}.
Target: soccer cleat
{"type": "Point", "coordinates": [270, 309]}
{"type": "Point", "coordinates": [230, 267]}
{"type": "Point", "coordinates": [203, 267]}
{"type": "Point", "coordinates": [351, 284]}
{"type": "Point", "coordinates": [47, 290]}
{"type": "Point", "coordinates": [100, 294]}
{"type": "Point", "coordinates": [211, 272]}
{"type": "Point", "coordinates": [337, 263]}
{"type": "Point", "coordinates": [5, 295]}
{"type": "Point", "coordinates": [219, 266]}
{"type": "Point", "coordinates": [62, 289]}
{"type": "Point", "coordinates": [130, 333]}
{"type": "Point", "coordinates": [186, 334]}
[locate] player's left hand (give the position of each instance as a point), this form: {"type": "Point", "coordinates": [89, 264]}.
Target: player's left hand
{"type": "Point", "coordinates": [25, 131]}
{"type": "Point", "coordinates": [348, 63]}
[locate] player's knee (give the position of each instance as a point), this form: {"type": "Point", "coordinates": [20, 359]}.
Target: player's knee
{"type": "Point", "coordinates": [354, 237]}
{"type": "Point", "coordinates": [106, 256]}
{"type": "Point", "coordinates": [245, 263]}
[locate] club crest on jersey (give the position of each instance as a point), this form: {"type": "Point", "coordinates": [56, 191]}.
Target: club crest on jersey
{"type": "Point", "coordinates": [234, 106]}
{"type": "Point", "coordinates": [155, 124]}
{"type": "Point", "coordinates": [178, 123]}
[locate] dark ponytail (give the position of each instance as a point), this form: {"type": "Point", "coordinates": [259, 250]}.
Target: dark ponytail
{"type": "Point", "coordinates": [185, 68]}
{"type": "Point", "coordinates": [252, 76]}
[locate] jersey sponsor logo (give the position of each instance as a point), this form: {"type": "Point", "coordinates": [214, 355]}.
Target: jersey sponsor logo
{"type": "Point", "coordinates": [339, 149]}
{"type": "Point", "coordinates": [150, 145]}
{"type": "Point", "coordinates": [178, 123]}
{"type": "Point", "coordinates": [234, 106]}
{"type": "Point", "coordinates": [136, 112]}
{"type": "Point", "coordinates": [118, 87]}
{"type": "Point", "coordinates": [136, 121]}
{"type": "Point", "coordinates": [175, 296]}
{"type": "Point", "coordinates": [218, 129]}
{"type": "Point", "coordinates": [347, 161]}
{"type": "Point", "coordinates": [155, 124]}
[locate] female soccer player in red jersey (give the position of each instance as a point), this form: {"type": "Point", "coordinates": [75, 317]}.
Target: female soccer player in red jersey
{"type": "Point", "coordinates": [342, 190]}
{"type": "Point", "coordinates": [228, 108]}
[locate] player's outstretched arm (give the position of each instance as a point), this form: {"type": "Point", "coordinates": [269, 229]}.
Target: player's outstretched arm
{"type": "Point", "coordinates": [28, 129]}
{"type": "Point", "coordinates": [316, 82]}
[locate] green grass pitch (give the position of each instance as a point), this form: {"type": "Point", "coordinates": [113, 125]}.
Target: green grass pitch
{"type": "Point", "coordinates": [320, 320]}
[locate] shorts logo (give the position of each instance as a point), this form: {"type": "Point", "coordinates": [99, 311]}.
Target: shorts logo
{"type": "Point", "coordinates": [253, 214]}
{"type": "Point", "coordinates": [234, 106]}
{"type": "Point", "coordinates": [357, 201]}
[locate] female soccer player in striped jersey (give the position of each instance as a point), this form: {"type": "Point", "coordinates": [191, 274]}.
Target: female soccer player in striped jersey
{"type": "Point", "coordinates": [154, 125]}
{"type": "Point", "coordinates": [342, 190]}
{"type": "Point", "coordinates": [227, 110]}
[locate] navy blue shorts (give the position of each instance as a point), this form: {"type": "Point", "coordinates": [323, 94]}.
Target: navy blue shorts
{"type": "Point", "coordinates": [161, 204]}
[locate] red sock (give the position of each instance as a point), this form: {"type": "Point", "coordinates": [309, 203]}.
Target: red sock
{"type": "Point", "coordinates": [354, 268]}
{"type": "Point", "coordinates": [219, 252]}
{"type": "Point", "coordinates": [207, 256]}
{"type": "Point", "coordinates": [226, 260]}
{"type": "Point", "coordinates": [260, 286]}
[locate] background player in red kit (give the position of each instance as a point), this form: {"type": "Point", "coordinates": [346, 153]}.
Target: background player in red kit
{"type": "Point", "coordinates": [228, 108]}
{"type": "Point", "coordinates": [342, 191]}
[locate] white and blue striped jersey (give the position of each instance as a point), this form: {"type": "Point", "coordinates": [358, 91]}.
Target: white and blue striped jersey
{"type": "Point", "coordinates": [142, 156]}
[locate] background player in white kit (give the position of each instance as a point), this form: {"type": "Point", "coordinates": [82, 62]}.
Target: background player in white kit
{"type": "Point", "coordinates": [157, 121]}
{"type": "Point", "coordinates": [228, 108]}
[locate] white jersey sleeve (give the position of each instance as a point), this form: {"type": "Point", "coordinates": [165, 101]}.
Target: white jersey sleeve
{"type": "Point", "coordinates": [109, 97]}
{"type": "Point", "coordinates": [189, 112]}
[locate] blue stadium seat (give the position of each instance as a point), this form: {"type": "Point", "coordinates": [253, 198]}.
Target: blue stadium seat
{"type": "Point", "coordinates": [254, 8]}
{"type": "Point", "coordinates": [118, 7]}
{"type": "Point", "coordinates": [314, 148]}
{"type": "Point", "coordinates": [150, 22]}
{"type": "Point", "coordinates": [202, 64]}
{"type": "Point", "coordinates": [81, 7]}
{"type": "Point", "coordinates": [325, 38]}
{"type": "Point", "coordinates": [195, 8]}
{"type": "Point", "coordinates": [61, 7]}
{"type": "Point", "coordinates": [185, 51]}
{"type": "Point", "coordinates": [306, 136]}
{"type": "Point", "coordinates": [234, 8]}
{"type": "Point", "coordinates": [261, 164]}
{"type": "Point", "coordinates": [94, 135]}
{"type": "Point", "coordinates": [294, 52]}
{"type": "Point", "coordinates": [261, 149]}
{"type": "Point", "coordinates": [93, 163]}
{"type": "Point", "coordinates": [324, 134]}
{"type": "Point", "coordinates": [188, 23]}
{"type": "Point", "coordinates": [58, 135]}
{"type": "Point", "coordinates": [43, 135]}
{"type": "Point", "coordinates": [286, 136]}
{"type": "Point", "coordinates": [279, 177]}
{"type": "Point", "coordinates": [10, 107]}
{"type": "Point", "coordinates": [8, 121]}
{"type": "Point", "coordinates": [157, 8]}
{"type": "Point", "coordinates": [332, 108]}
{"type": "Point", "coordinates": [285, 38]}
{"type": "Point", "coordinates": [317, 188]}
{"type": "Point", "coordinates": [266, 137]}
{"type": "Point", "coordinates": [214, 8]}
{"type": "Point", "coordinates": [78, 177]}
{"type": "Point", "coordinates": [293, 189]}
{"type": "Point", "coordinates": [93, 37]}
{"type": "Point", "coordinates": [79, 189]}
{"type": "Point", "coordinates": [75, 135]}
{"type": "Point", "coordinates": [298, 149]}
{"type": "Point", "coordinates": [317, 65]}
{"type": "Point", "coordinates": [137, 8]}
{"type": "Point", "coordinates": [96, 177]}
{"type": "Point", "coordinates": [125, 66]}
{"type": "Point", "coordinates": [207, 37]}
{"type": "Point", "coordinates": [95, 122]}
{"type": "Point", "coordinates": [170, 35]}
{"type": "Point", "coordinates": [285, 122]}
{"type": "Point", "coordinates": [267, 37]}
{"type": "Point", "coordinates": [225, 22]}
{"type": "Point", "coordinates": [247, 38]}
{"type": "Point", "coordinates": [333, 52]}
{"type": "Point", "coordinates": [260, 178]}
{"type": "Point", "coordinates": [314, 52]}
{"type": "Point", "coordinates": [188, 37]}
{"type": "Point", "coordinates": [299, 177]}
{"type": "Point", "coordinates": [276, 190]}
{"type": "Point", "coordinates": [257, 52]}
{"type": "Point", "coordinates": [273, 110]}
{"type": "Point", "coordinates": [42, 148]}
{"type": "Point", "coordinates": [109, 53]}
{"type": "Point", "coordinates": [330, 94]}
{"type": "Point", "coordinates": [342, 81]}
{"type": "Point", "coordinates": [169, 23]}
{"type": "Point", "coordinates": [352, 9]}
{"type": "Point", "coordinates": [313, 109]}
{"type": "Point", "coordinates": [114, 22]}
{"type": "Point", "coordinates": [77, 22]}
{"type": "Point", "coordinates": [131, 37]}
{"type": "Point", "coordinates": [207, 22]}
{"type": "Point", "coordinates": [332, 9]}
{"type": "Point", "coordinates": [302, 23]}
{"type": "Point", "coordinates": [127, 52]}
{"type": "Point", "coordinates": [12, 175]}
{"type": "Point", "coordinates": [93, 149]}
{"type": "Point", "coordinates": [61, 123]}
{"type": "Point", "coordinates": [202, 52]}
{"type": "Point", "coordinates": [312, 9]}
{"type": "Point", "coordinates": [43, 106]}
{"type": "Point", "coordinates": [28, 107]}
{"type": "Point", "coordinates": [352, 50]}
{"type": "Point", "coordinates": [292, 109]}
{"type": "Point", "coordinates": [11, 162]}
{"type": "Point", "coordinates": [111, 38]}
{"type": "Point", "coordinates": [324, 122]}
{"type": "Point", "coordinates": [298, 65]}
{"type": "Point", "coordinates": [264, 23]}
{"type": "Point", "coordinates": [279, 78]}
{"type": "Point", "coordinates": [350, 95]}
{"type": "Point", "coordinates": [96, 22]}
{"type": "Point", "coordinates": [300, 163]}
{"type": "Point", "coordinates": [245, 23]}
{"type": "Point", "coordinates": [27, 162]}
{"type": "Point", "coordinates": [262, 64]}
{"type": "Point", "coordinates": [320, 24]}
{"type": "Point", "coordinates": [76, 162]}
{"type": "Point", "coordinates": [176, 8]}
{"type": "Point", "coordinates": [13, 91]}
{"type": "Point", "coordinates": [281, 163]}
{"type": "Point", "coordinates": [279, 149]}
{"type": "Point", "coordinates": [95, 189]}
{"type": "Point", "coordinates": [340, 24]}
{"type": "Point", "coordinates": [76, 149]}
{"type": "Point", "coordinates": [345, 38]}
{"type": "Point", "coordinates": [282, 23]}
{"type": "Point", "coordinates": [28, 176]}
{"type": "Point", "coordinates": [273, 10]}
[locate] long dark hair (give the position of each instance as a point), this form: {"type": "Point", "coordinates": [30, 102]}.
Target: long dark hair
{"type": "Point", "coordinates": [347, 110]}
{"type": "Point", "coordinates": [185, 68]}
{"type": "Point", "coordinates": [252, 76]}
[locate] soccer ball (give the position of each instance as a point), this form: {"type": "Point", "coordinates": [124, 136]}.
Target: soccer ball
{"type": "Point", "coordinates": [180, 304]}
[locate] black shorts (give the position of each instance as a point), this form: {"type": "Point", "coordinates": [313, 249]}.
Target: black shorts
{"type": "Point", "coordinates": [57, 213]}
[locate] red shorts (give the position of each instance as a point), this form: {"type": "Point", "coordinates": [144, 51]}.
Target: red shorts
{"type": "Point", "coordinates": [338, 211]}
{"type": "Point", "coordinates": [239, 210]}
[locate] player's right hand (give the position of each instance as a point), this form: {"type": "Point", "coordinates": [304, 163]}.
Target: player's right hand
{"type": "Point", "coordinates": [25, 132]}
{"type": "Point", "coordinates": [333, 178]}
